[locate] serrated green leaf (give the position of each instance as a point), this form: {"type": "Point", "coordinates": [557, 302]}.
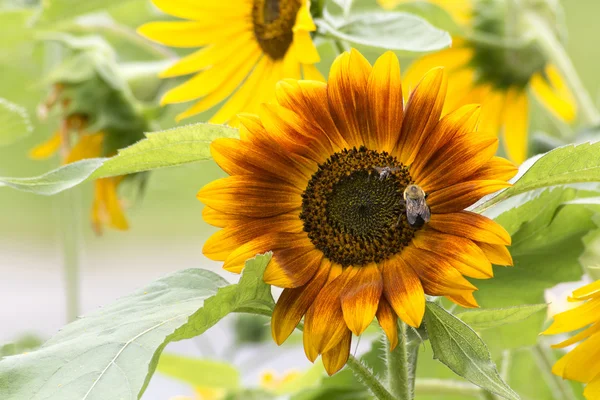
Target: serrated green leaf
{"type": "Point", "coordinates": [112, 353]}
{"type": "Point", "coordinates": [485, 318]}
{"type": "Point", "coordinates": [395, 31]}
{"type": "Point", "coordinates": [462, 350]}
{"type": "Point", "coordinates": [547, 241]}
{"type": "Point", "coordinates": [14, 121]}
{"type": "Point", "coordinates": [199, 372]}
{"type": "Point", "coordinates": [565, 165]}
{"type": "Point", "coordinates": [182, 145]}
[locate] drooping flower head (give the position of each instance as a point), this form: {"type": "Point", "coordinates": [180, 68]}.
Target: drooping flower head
{"type": "Point", "coordinates": [247, 46]}
{"type": "Point", "coordinates": [497, 73]}
{"type": "Point", "coordinates": [583, 362]}
{"type": "Point", "coordinates": [319, 179]}
{"type": "Point", "coordinates": [97, 117]}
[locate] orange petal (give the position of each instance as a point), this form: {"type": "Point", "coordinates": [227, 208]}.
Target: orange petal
{"type": "Point", "coordinates": [237, 258]}
{"type": "Point", "coordinates": [347, 94]}
{"type": "Point", "coordinates": [459, 158]}
{"type": "Point", "coordinates": [360, 298]}
{"type": "Point", "coordinates": [250, 196]}
{"type": "Point", "coordinates": [324, 324]}
{"type": "Point", "coordinates": [462, 253]}
{"type": "Point", "coordinates": [464, 299]}
{"type": "Point", "coordinates": [386, 106]}
{"type": "Point", "coordinates": [497, 168]}
{"type": "Point", "coordinates": [462, 195]}
{"type": "Point", "coordinates": [470, 225]}
{"type": "Point", "coordinates": [457, 123]}
{"type": "Point", "coordinates": [336, 358]}
{"type": "Point", "coordinates": [389, 322]}
{"type": "Point", "coordinates": [438, 277]}
{"type": "Point", "coordinates": [218, 219]}
{"type": "Point", "coordinates": [293, 303]}
{"type": "Point", "coordinates": [295, 261]}
{"type": "Point", "coordinates": [403, 290]}
{"type": "Point", "coordinates": [498, 254]}
{"type": "Point", "coordinates": [423, 111]}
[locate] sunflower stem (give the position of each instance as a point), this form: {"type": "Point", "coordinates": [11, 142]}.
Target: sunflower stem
{"type": "Point", "coordinates": [544, 358]}
{"type": "Point", "coordinates": [399, 368]}
{"type": "Point", "coordinates": [69, 211]}
{"type": "Point", "coordinates": [368, 379]}
{"type": "Point", "coordinates": [555, 51]}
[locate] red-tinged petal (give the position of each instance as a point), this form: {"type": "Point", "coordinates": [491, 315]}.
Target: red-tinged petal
{"type": "Point", "coordinates": [462, 195]}
{"type": "Point", "coordinates": [336, 358]}
{"type": "Point", "coordinates": [470, 225]}
{"type": "Point", "coordinates": [389, 322]}
{"type": "Point", "coordinates": [403, 290]}
{"type": "Point", "coordinates": [360, 298]}
{"type": "Point", "coordinates": [498, 254]}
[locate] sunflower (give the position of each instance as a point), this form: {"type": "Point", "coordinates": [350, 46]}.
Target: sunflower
{"type": "Point", "coordinates": [318, 178]}
{"type": "Point", "coordinates": [583, 362]}
{"type": "Point", "coordinates": [497, 78]}
{"type": "Point", "coordinates": [106, 208]}
{"type": "Point", "coordinates": [248, 45]}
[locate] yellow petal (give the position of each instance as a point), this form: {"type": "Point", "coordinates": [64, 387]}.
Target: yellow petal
{"type": "Point", "coordinates": [553, 93]}
{"type": "Point", "coordinates": [516, 125]}
{"type": "Point", "coordinates": [46, 149]}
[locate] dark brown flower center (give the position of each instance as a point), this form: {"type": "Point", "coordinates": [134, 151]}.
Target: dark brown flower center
{"type": "Point", "coordinates": [273, 23]}
{"type": "Point", "coordinates": [353, 214]}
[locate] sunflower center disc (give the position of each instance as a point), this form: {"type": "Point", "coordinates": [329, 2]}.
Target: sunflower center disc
{"type": "Point", "coordinates": [351, 213]}
{"type": "Point", "coordinates": [502, 67]}
{"type": "Point", "coordinates": [273, 23]}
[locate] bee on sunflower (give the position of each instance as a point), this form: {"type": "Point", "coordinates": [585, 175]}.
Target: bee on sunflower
{"type": "Point", "coordinates": [97, 115]}
{"type": "Point", "coordinates": [496, 74]}
{"type": "Point", "coordinates": [247, 47]}
{"type": "Point", "coordinates": [583, 362]}
{"type": "Point", "coordinates": [305, 183]}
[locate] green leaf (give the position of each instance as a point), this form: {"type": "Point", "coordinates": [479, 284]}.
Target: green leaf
{"type": "Point", "coordinates": [395, 31]}
{"type": "Point", "coordinates": [112, 353]}
{"type": "Point", "coordinates": [547, 242]}
{"type": "Point", "coordinates": [562, 166]}
{"type": "Point", "coordinates": [14, 121]}
{"type": "Point", "coordinates": [462, 350]}
{"type": "Point", "coordinates": [182, 145]}
{"type": "Point", "coordinates": [486, 318]}
{"type": "Point", "coordinates": [200, 373]}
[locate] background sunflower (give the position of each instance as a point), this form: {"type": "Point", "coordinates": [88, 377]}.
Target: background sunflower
{"type": "Point", "coordinates": [247, 46]}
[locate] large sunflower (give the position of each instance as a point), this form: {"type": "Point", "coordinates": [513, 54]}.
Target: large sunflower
{"type": "Point", "coordinates": [309, 182]}
{"type": "Point", "coordinates": [248, 45]}
{"type": "Point", "coordinates": [583, 362]}
{"type": "Point", "coordinates": [497, 78]}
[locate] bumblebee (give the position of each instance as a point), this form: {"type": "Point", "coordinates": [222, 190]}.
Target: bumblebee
{"type": "Point", "coordinates": [417, 210]}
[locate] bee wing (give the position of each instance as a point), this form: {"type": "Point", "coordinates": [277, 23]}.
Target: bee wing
{"type": "Point", "coordinates": [417, 208]}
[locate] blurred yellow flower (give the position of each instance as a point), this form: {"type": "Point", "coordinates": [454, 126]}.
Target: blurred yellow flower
{"type": "Point", "coordinates": [583, 362]}
{"type": "Point", "coordinates": [247, 46]}
{"type": "Point", "coordinates": [495, 77]}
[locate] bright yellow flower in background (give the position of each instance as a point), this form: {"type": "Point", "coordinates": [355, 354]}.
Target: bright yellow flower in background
{"type": "Point", "coordinates": [583, 362]}
{"type": "Point", "coordinates": [247, 47]}
{"type": "Point", "coordinates": [461, 10]}
{"type": "Point", "coordinates": [318, 178]}
{"type": "Point", "coordinates": [497, 78]}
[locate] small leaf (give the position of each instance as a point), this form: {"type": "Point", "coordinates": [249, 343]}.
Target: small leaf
{"type": "Point", "coordinates": [564, 165]}
{"type": "Point", "coordinates": [14, 121]}
{"type": "Point", "coordinates": [112, 353]}
{"type": "Point", "coordinates": [396, 31]}
{"type": "Point", "coordinates": [199, 372]}
{"type": "Point", "coordinates": [493, 317]}
{"type": "Point", "coordinates": [463, 351]}
{"type": "Point", "coordinates": [168, 148]}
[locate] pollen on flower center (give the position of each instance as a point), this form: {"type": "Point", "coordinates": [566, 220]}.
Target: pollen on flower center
{"type": "Point", "coordinates": [273, 23]}
{"type": "Point", "coordinates": [351, 214]}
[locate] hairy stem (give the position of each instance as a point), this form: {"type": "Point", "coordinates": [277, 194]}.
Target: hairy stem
{"type": "Point", "coordinates": [398, 366]}
{"type": "Point", "coordinates": [554, 50]}
{"type": "Point", "coordinates": [368, 379]}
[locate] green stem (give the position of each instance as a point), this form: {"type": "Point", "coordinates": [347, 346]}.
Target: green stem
{"type": "Point", "coordinates": [554, 50]}
{"type": "Point", "coordinates": [71, 234]}
{"type": "Point", "coordinates": [398, 366]}
{"type": "Point", "coordinates": [367, 378]}
{"type": "Point", "coordinates": [545, 360]}
{"type": "Point", "coordinates": [446, 387]}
